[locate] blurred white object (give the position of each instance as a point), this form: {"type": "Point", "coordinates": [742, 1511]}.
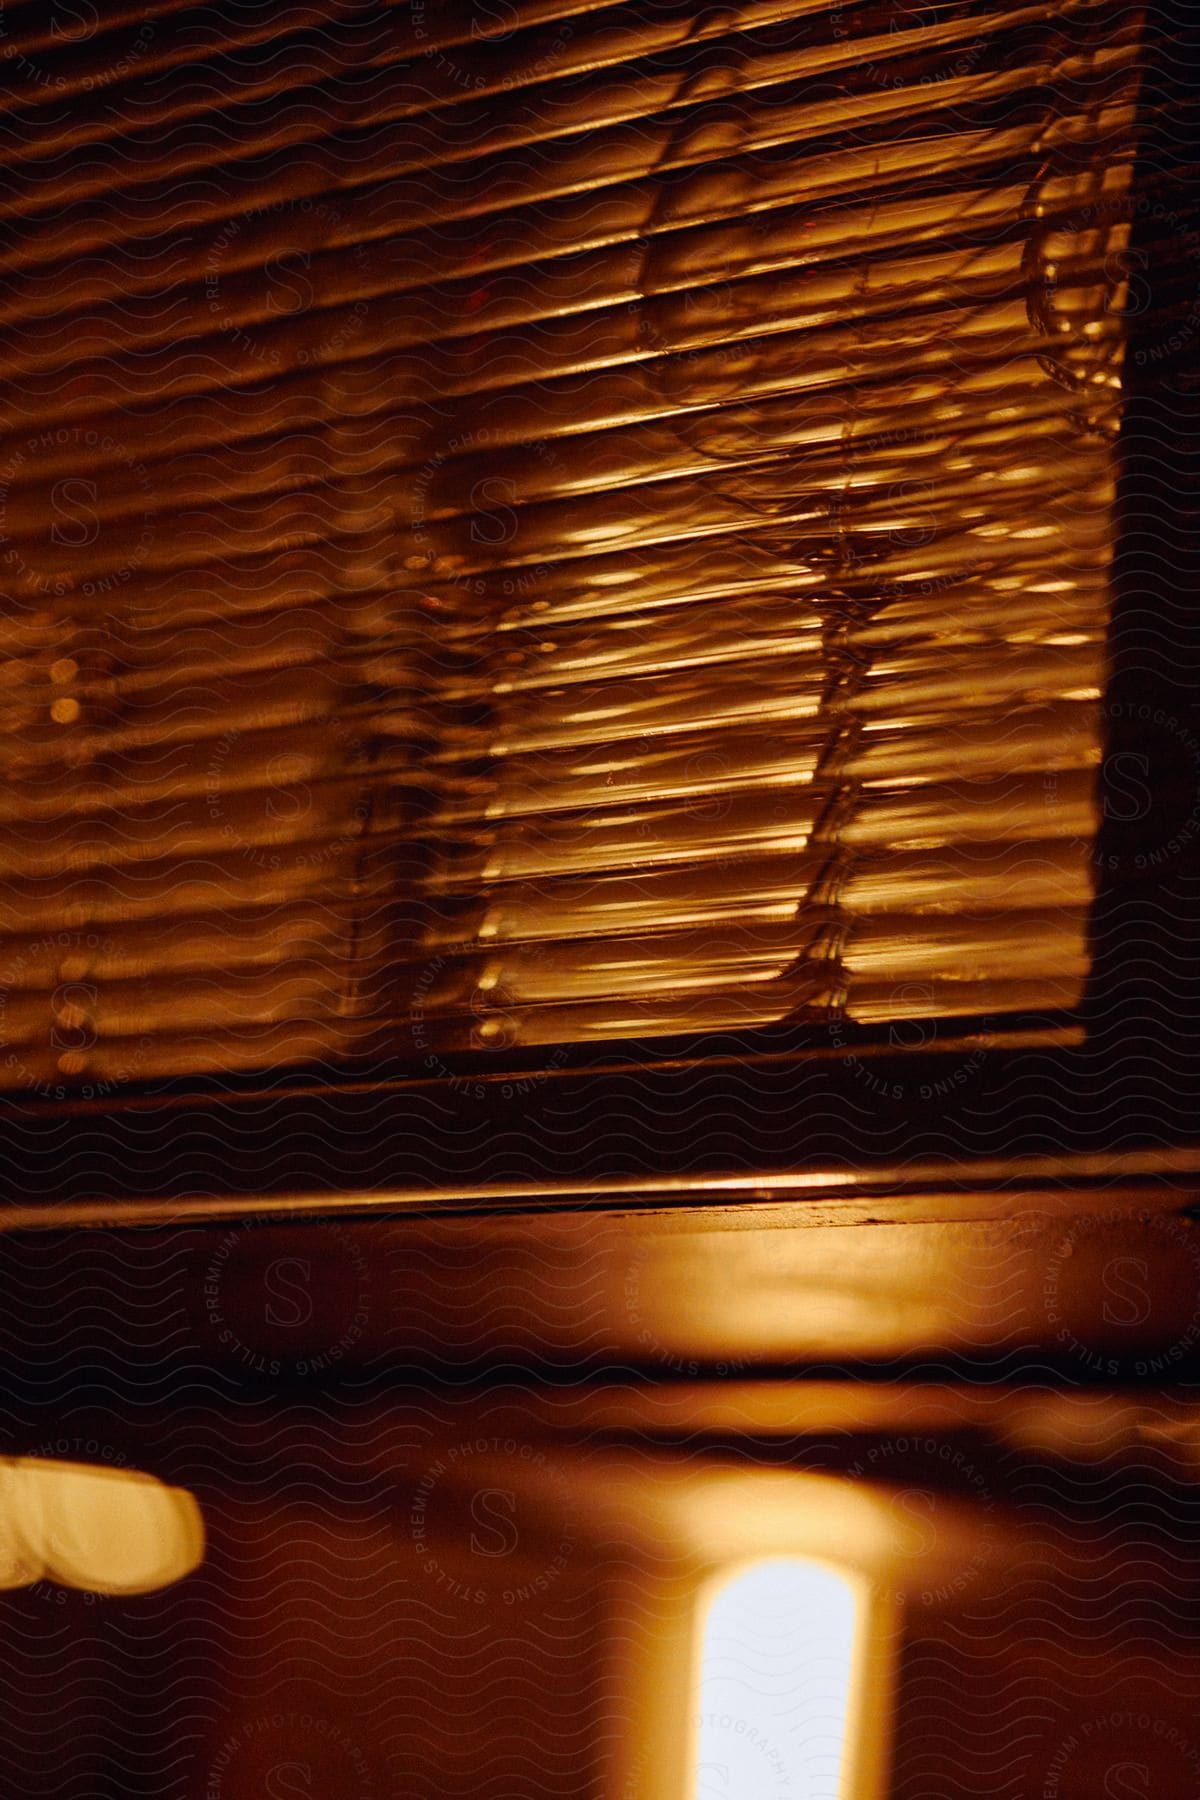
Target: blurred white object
{"type": "Point", "coordinates": [110, 1531]}
{"type": "Point", "coordinates": [777, 1665]}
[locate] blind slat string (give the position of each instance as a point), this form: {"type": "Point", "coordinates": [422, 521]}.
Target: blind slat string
{"type": "Point", "coordinates": [596, 531]}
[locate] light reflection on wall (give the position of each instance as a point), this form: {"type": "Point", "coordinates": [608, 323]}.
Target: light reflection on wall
{"type": "Point", "coordinates": [777, 1661]}
{"type": "Point", "coordinates": [103, 1530]}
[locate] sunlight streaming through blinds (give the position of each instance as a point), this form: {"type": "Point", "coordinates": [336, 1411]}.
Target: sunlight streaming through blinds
{"type": "Point", "coordinates": [589, 527]}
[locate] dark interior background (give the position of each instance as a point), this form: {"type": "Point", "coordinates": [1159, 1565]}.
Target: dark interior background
{"type": "Point", "coordinates": [1041, 1325]}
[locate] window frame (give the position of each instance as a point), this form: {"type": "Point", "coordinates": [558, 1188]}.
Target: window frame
{"type": "Point", "coordinates": [1125, 1063]}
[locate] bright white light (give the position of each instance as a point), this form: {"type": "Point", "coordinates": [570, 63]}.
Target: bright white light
{"type": "Point", "coordinates": [777, 1659]}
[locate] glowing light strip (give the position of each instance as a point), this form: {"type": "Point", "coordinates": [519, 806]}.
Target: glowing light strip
{"type": "Point", "coordinates": [775, 1681]}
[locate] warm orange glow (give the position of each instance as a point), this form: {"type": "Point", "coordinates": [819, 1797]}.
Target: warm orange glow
{"type": "Point", "coordinates": [775, 1683]}
{"type": "Point", "coordinates": [688, 611]}
{"type": "Point", "coordinates": [104, 1530]}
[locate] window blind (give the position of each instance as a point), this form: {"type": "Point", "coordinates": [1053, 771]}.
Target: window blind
{"type": "Point", "coordinates": [528, 523]}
